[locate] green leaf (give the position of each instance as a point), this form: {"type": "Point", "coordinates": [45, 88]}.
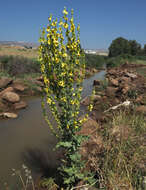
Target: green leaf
{"type": "Point", "coordinates": [64, 144]}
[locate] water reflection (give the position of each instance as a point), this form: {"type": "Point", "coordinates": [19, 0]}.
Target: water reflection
{"type": "Point", "coordinates": [28, 138]}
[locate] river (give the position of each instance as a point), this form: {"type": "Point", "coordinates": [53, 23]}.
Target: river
{"type": "Point", "coordinates": [27, 139]}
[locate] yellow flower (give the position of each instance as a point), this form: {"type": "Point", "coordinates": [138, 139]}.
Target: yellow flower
{"type": "Point", "coordinates": [49, 101]}
{"type": "Point", "coordinates": [67, 126]}
{"type": "Point", "coordinates": [72, 102]}
{"type": "Point", "coordinates": [90, 107]}
{"type": "Point", "coordinates": [54, 23]}
{"type": "Point", "coordinates": [65, 12]}
{"type": "Point", "coordinates": [65, 25]}
{"type": "Point", "coordinates": [49, 41]}
{"type": "Point", "coordinates": [65, 55]}
{"type": "Point", "coordinates": [50, 18]}
{"type": "Point", "coordinates": [46, 90]}
{"type": "Point", "coordinates": [70, 74]}
{"type": "Point", "coordinates": [61, 23]}
{"type": "Point", "coordinates": [63, 65]}
{"type": "Point", "coordinates": [46, 81]}
{"type": "Point", "coordinates": [57, 60]}
{"type": "Point", "coordinates": [63, 99]}
{"type": "Point", "coordinates": [48, 29]}
{"type": "Point", "coordinates": [42, 67]}
{"type": "Point", "coordinates": [61, 83]}
{"type": "Point", "coordinates": [78, 53]}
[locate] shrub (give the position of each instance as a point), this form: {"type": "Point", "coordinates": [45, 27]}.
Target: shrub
{"type": "Point", "coordinates": [94, 61]}
{"type": "Point", "coordinates": [15, 65]}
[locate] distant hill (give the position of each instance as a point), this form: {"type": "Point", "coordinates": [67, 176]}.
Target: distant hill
{"type": "Point", "coordinates": [19, 43]}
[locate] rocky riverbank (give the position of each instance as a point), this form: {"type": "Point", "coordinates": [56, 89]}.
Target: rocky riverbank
{"type": "Point", "coordinates": [117, 128]}
{"type": "Point", "coordinates": [13, 92]}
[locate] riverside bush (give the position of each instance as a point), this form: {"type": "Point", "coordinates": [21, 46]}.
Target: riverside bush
{"type": "Point", "coordinates": [16, 65]}
{"type": "Point", "coordinates": [94, 61]}
{"type": "Point", "coordinates": [63, 62]}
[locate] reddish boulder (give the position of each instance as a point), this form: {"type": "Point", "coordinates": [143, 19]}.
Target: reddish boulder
{"type": "Point", "coordinates": [20, 105]}
{"type": "Point", "coordinates": [113, 82]}
{"type": "Point", "coordinates": [11, 97]}
{"type": "Point", "coordinates": [4, 82]}
{"type": "Point", "coordinates": [8, 89]}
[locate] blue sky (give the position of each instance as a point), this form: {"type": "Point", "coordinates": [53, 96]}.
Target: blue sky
{"type": "Point", "coordinates": [101, 20]}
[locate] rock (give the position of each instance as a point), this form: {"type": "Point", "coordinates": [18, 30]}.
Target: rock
{"type": "Point", "coordinates": [86, 101]}
{"type": "Point", "coordinates": [96, 97]}
{"type": "Point", "coordinates": [110, 91]}
{"type": "Point", "coordinates": [139, 99]}
{"type": "Point", "coordinates": [112, 72]}
{"type": "Point", "coordinates": [141, 109]}
{"type": "Point", "coordinates": [94, 70]}
{"type": "Point", "coordinates": [114, 82]}
{"type": "Point", "coordinates": [96, 82]}
{"type": "Point", "coordinates": [9, 115]}
{"type": "Point", "coordinates": [125, 89]}
{"type": "Point", "coordinates": [11, 97]}
{"type": "Point", "coordinates": [20, 105]}
{"type": "Point", "coordinates": [8, 89]}
{"type": "Point", "coordinates": [4, 82]}
{"type": "Point", "coordinates": [125, 80]}
{"type": "Point", "coordinates": [131, 75]}
{"type": "Point", "coordinates": [19, 87]}
{"type": "Point", "coordinates": [3, 106]}
{"type": "Point", "coordinates": [89, 126]}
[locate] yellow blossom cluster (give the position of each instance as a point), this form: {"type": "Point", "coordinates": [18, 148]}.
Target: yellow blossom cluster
{"type": "Point", "coordinates": [61, 61]}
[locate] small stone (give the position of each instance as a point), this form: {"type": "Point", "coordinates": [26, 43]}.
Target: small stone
{"type": "Point", "coordinates": [125, 89]}
{"type": "Point", "coordinates": [114, 82]}
{"type": "Point", "coordinates": [9, 115]}
{"type": "Point", "coordinates": [86, 101]}
{"type": "Point", "coordinates": [131, 75]}
{"type": "Point", "coordinates": [19, 87]}
{"type": "Point", "coordinates": [20, 105]}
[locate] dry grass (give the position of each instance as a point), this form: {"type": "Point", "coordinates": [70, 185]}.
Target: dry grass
{"type": "Point", "coordinates": [115, 152]}
{"type": "Point", "coordinates": [18, 51]}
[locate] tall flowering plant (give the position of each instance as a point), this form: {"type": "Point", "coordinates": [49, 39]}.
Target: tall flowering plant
{"type": "Point", "coordinates": [63, 70]}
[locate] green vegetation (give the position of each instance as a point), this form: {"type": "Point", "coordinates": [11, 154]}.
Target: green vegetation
{"type": "Point", "coordinates": [122, 59]}
{"type": "Point", "coordinates": [94, 61]}
{"type": "Point", "coordinates": [122, 46]}
{"type": "Point", "coordinates": [17, 66]}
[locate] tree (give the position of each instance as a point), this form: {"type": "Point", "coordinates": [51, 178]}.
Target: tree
{"type": "Point", "coordinates": [144, 49]}
{"type": "Point", "coordinates": [119, 46]}
{"type": "Point", "coordinates": [135, 47]}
